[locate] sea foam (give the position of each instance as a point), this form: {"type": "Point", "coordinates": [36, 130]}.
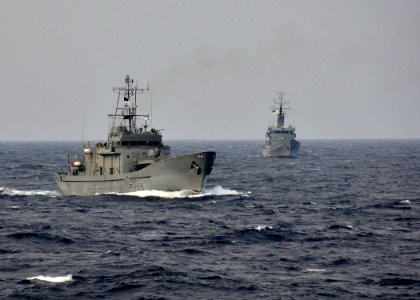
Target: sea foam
{"type": "Point", "coordinates": [316, 270]}
{"type": "Point", "coordinates": [57, 279]}
{"type": "Point", "coordinates": [263, 227]}
{"type": "Point", "coordinates": [14, 192]}
{"type": "Point", "coordinates": [209, 191]}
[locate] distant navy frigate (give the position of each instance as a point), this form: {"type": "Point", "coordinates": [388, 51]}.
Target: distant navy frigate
{"type": "Point", "coordinates": [280, 141]}
{"type": "Point", "coordinates": [133, 158]}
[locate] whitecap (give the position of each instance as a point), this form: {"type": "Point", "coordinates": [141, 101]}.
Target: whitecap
{"type": "Point", "coordinates": [405, 201]}
{"type": "Point", "coordinates": [57, 279]}
{"type": "Point", "coordinates": [14, 192]}
{"type": "Point", "coordinates": [316, 270]}
{"type": "Point", "coordinates": [263, 227]}
{"type": "Point", "coordinates": [209, 191]}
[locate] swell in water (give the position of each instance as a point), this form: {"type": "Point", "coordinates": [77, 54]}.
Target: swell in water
{"type": "Point", "coordinates": [339, 221]}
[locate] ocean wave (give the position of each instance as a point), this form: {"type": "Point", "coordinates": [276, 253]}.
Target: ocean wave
{"type": "Point", "coordinates": [339, 227]}
{"type": "Point", "coordinates": [263, 227]}
{"type": "Point", "coordinates": [260, 233]}
{"type": "Point", "coordinates": [41, 236]}
{"type": "Point", "coordinates": [57, 279]}
{"type": "Point", "coordinates": [316, 270]}
{"type": "Point", "coordinates": [13, 192]}
{"type": "Point", "coordinates": [398, 281]}
{"type": "Point", "coordinates": [210, 191]}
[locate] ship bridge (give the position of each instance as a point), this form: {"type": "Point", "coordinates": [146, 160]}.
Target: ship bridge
{"type": "Point", "coordinates": [121, 136]}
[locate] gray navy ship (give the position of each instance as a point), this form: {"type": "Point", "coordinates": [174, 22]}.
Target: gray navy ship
{"type": "Point", "coordinates": [133, 158]}
{"type": "Point", "coordinates": [280, 141]}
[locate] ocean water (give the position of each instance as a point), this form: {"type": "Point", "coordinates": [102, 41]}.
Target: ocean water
{"type": "Point", "coordinates": [342, 220]}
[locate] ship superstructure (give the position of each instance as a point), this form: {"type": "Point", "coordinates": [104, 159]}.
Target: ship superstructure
{"type": "Point", "coordinates": [133, 158]}
{"type": "Point", "coordinates": [280, 141]}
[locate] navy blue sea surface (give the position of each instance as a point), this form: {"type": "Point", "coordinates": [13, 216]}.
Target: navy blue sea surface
{"type": "Point", "coordinates": [341, 220]}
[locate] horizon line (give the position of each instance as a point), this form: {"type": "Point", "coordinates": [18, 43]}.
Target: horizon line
{"type": "Point", "coordinates": [197, 139]}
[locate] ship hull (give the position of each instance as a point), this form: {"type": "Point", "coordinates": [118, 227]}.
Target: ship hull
{"type": "Point", "coordinates": [187, 172]}
{"type": "Point", "coordinates": [282, 148]}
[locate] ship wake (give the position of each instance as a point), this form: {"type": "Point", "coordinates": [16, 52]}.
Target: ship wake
{"type": "Point", "coordinates": [13, 192]}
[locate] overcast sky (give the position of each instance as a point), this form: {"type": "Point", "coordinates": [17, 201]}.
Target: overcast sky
{"type": "Point", "coordinates": [350, 69]}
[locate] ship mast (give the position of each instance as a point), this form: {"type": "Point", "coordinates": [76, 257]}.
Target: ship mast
{"type": "Point", "coordinates": [278, 109]}
{"type": "Point", "coordinates": [129, 109]}
{"type": "Point", "coordinates": [280, 120]}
